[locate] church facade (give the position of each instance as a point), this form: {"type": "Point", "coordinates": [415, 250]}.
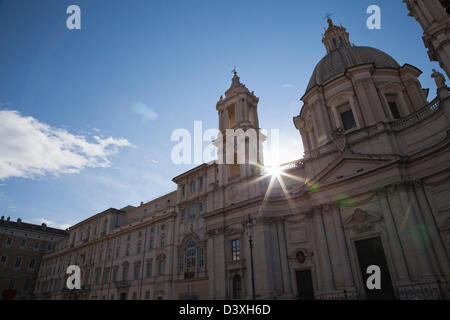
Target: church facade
{"type": "Point", "coordinates": [373, 189]}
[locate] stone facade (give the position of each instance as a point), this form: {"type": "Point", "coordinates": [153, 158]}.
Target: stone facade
{"type": "Point", "coordinates": [433, 16]}
{"type": "Point", "coordinates": [372, 189]}
{"type": "Point", "coordinates": [22, 246]}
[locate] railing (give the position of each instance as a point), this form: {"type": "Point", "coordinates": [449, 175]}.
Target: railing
{"type": "Point", "coordinates": [188, 296]}
{"type": "Point", "coordinates": [422, 292]}
{"type": "Point", "coordinates": [293, 164]}
{"type": "Point", "coordinates": [417, 116]}
{"type": "Point", "coordinates": [122, 283]}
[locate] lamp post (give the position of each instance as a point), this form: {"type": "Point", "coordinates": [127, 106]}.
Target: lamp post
{"type": "Point", "coordinates": [250, 243]}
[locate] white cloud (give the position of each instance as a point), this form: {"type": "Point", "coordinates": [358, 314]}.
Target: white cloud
{"type": "Point", "coordinates": [29, 148]}
{"type": "Point", "coordinates": [288, 85]}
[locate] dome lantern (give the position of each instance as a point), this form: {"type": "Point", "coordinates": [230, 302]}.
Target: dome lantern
{"type": "Point", "coordinates": [335, 37]}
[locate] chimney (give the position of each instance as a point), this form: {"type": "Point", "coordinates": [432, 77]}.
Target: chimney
{"type": "Point", "coordinates": [19, 220]}
{"type": "Point", "coordinates": [3, 218]}
{"type": "Point", "coordinates": [7, 219]}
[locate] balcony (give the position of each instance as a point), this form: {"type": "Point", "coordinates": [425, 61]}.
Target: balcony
{"type": "Point", "coordinates": [122, 284]}
{"type": "Point", "coordinates": [188, 296]}
{"type": "Point", "coordinates": [417, 116]}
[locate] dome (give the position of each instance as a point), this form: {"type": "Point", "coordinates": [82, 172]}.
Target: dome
{"type": "Point", "coordinates": [336, 62]}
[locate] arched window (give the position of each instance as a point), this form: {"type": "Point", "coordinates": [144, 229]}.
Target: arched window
{"type": "Point", "coordinates": [237, 287]}
{"type": "Point", "coordinates": [190, 254]}
{"type": "Point", "coordinates": [191, 259]}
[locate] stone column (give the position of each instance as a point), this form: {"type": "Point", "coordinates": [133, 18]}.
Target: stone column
{"type": "Point", "coordinates": [412, 229]}
{"type": "Point", "coordinates": [344, 256]}
{"type": "Point", "coordinates": [368, 96]}
{"type": "Point", "coordinates": [440, 252]}
{"type": "Point", "coordinates": [416, 97]}
{"type": "Point", "coordinates": [324, 265]}
{"type": "Point", "coordinates": [216, 264]}
{"type": "Point", "coordinates": [262, 258]}
{"type": "Point", "coordinates": [393, 238]}
{"type": "Point", "coordinates": [210, 254]}
{"type": "Point", "coordinates": [285, 272]}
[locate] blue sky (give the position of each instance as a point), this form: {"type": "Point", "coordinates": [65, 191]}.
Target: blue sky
{"type": "Point", "coordinates": [137, 70]}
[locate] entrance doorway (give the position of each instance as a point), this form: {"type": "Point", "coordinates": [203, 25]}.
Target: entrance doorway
{"type": "Point", "coordinates": [305, 286]}
{"type": "Point", "coordinates": [123, 296]}
{"type": "Point", "coordinates": [371, 252]}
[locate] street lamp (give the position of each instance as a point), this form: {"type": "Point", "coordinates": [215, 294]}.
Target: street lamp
{"type": "Point", "coordinates": [250, 243]}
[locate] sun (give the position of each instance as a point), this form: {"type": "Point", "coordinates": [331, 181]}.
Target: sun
{"type": "Point", "coordinates": [275, 171]}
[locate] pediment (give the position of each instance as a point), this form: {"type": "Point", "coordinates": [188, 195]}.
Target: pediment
{"type": "Point", "coordinates": [349, 166]}
{"type": "Point", "coordinates": [362, 221]}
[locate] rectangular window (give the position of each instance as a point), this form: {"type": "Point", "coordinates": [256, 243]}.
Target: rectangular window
{"type": "Point", "coordinates": [181, 262]}
{"type": "Point", "coordinates": [231, 117]}
{"type": "Point", "coordinates": [3, 259]}
{"type": "Point", "coordinates": [348, 120]}
{"type": "Point", "coordinates": [106, 275]}
{"type": "Point", "coordinates": [137, 268]}
{"type": "Point", "coordinates": [235, 250]}
{"type": "Point", "coordinates": [125, 273]}
{"type": "Point", "coordinates": [32, 264]}
{"type": "Point", "coordinates": [8, 242]}
{"type": "Point", "coordinates": [138, 249]}
{"type": "Point", "coordinates": [201, 258]}
{"type": "Point", "coordinates": [183, 189]}
{"type": "Point", "coordinates": [200, 182]}
{"type": "Point", "coordinates": [163, 242]}
{"type": "Point", "coordinates": [183, 213]}
{"type": "Point", "coordinates": [97, 276]}
{"type": "Point", "coordinates": [152, 244]}
{"type": "Point", "coordinates": [147, 295]}
{"type": "Point", "coordinates": [18, 262]}
{"type": "Point", "coordinates": [191, 212]}
{"type": "Point", "coordinates": [36, 245]}
{"type": "Point", "coordinates": [115, 271]}
{"type": "Point", "coordinates": [23, 243]}
{"type": "Point", "coordinates": [149, 270]}
{"type": "Point", "coordinates": [12, 284]}
{"type": "Point", "coordinates": [200, 208]}
{"type": "Point", "coordinates": [134, 296]}
{"type": "Point", "coordinates": [161, 268]}
{"type": "Point", "coordinates": [394, 110]}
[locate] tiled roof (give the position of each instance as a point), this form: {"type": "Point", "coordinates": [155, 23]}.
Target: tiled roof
{"type": "Point", "coordinates": [338, 61]}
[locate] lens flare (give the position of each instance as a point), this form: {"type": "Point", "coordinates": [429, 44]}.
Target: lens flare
{"type": "Point", "coordinates": [275, 171]}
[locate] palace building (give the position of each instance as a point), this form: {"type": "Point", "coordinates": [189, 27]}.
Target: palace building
{"type": "Point", "coordinates": [22, 246]}
{"type": "Point", "coordinates": [372, 188]}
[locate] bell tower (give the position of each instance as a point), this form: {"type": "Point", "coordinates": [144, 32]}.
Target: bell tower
{"type": "Point", "coordinates": [240, 140]}
{"type": "Point", "coordinates": [434, 18]}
